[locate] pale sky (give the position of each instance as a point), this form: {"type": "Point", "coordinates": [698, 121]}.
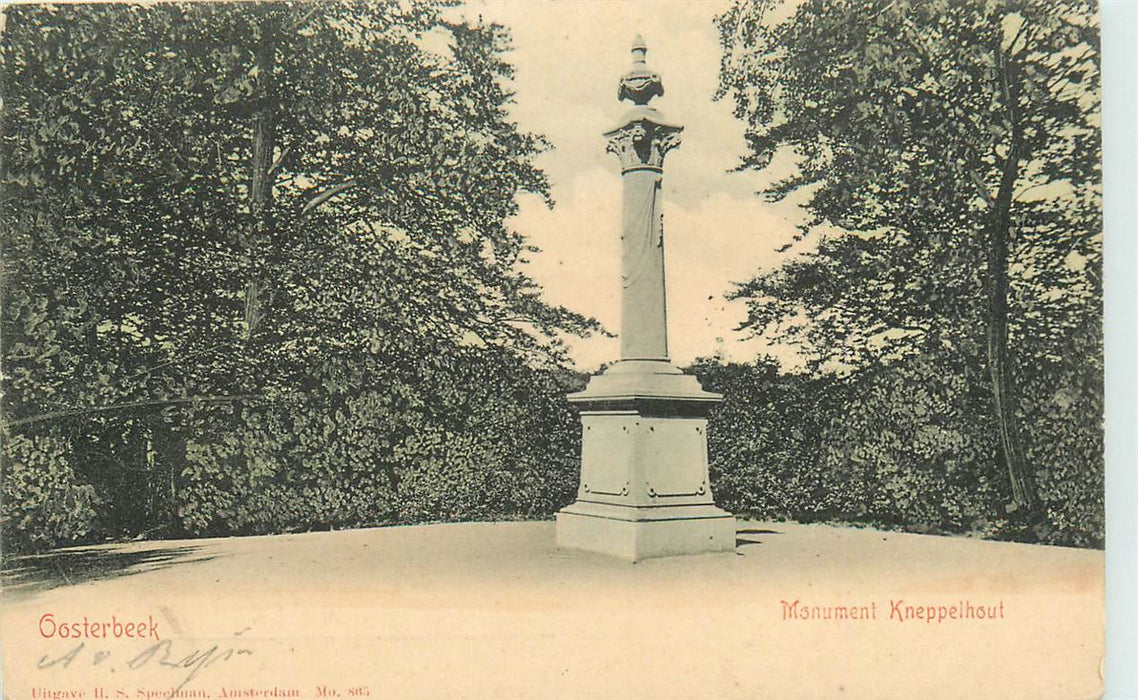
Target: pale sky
{"type": "Point", "coordinates": [569, 57]}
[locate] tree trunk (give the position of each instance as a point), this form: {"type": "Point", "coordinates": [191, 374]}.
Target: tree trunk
{"type": "Point", "coordinates": [261, 170]}
{"type": "Point", "coordinates": [170, 448]}
{"type": "Point", "coordinates": [999, 368]}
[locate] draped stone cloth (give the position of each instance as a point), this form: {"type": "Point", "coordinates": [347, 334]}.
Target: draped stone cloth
{"type": "Point", "coordinates": [644, 324]}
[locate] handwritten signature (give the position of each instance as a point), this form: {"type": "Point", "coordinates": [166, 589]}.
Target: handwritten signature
{"type": "Point", "coordinates": [161, 654]}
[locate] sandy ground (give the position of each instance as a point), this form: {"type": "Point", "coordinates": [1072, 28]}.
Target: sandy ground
{"type": "Point", "coordinates": [494, 610]}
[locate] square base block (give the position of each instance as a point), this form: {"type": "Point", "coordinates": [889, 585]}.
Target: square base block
{"type": "Point", "coordinates": [640, 533]}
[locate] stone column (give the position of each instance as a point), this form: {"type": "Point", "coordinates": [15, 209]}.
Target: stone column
{"type": "Point", "coordinates": [641, 145]}
{"type": "Point", "coordinates": [644, 488]}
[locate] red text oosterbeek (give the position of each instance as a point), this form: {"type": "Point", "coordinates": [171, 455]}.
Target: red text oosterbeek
{"type": "Point", "coordinates": [50, 627]}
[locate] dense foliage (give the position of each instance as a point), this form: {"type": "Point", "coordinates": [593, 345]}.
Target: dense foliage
{"type": "Point", "coordinates": [903, 446]}
{"type": "Point", "coordinates": [949, 281]}
{"type": "Point", "coordinates": [258, 274]}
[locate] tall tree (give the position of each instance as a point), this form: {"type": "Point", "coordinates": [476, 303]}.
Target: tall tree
{"type": "Point", "coordinates": [220, 218]}
{"type": "Point", "coordinates": [949, 153]}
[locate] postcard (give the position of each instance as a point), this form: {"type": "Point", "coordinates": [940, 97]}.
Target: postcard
{"type": "Point", "coordinates": [502, 349]}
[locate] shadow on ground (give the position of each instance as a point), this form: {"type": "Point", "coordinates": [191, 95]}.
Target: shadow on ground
{"type": "Point", "coordinates": [25, 576]}
{"type": "Point", "coordinates": [744, 541]}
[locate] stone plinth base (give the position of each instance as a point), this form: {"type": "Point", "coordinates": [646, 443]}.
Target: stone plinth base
{"type": "Point", "coordinates": [640, 533]}
{"type": "Point", "coordinates": [644, 488]}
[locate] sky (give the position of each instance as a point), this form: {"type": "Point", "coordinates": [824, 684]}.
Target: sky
{"type": "Point", "coordinates": [569, 57]}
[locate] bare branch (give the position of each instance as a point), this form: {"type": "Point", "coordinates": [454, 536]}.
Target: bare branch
{"type": "Point", "coordinates": [180, 358]}
{"type": "Point", "coordinates": [1018, 34]}
{"type": "Point", "coordinates": [981, 187]}
{"type": "Point", "coordinates": [326, 195]}
{"type": "Point", "coordinates": [277, 163]}
{"type": "Point", "coordinates": [75, 412]}
{"type": "Point", "coordinates": [303, 19]}
{"type": "Point", "coordinates": [1010, 107]}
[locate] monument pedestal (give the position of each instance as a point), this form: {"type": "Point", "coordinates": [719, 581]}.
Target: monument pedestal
{"type": "Point", "coordinates": [644, 488]}
{"type": "Point", "coordinates": [644, 485]}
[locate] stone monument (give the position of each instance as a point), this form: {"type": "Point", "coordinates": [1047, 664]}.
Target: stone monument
{"type": "Point", "coordinates": [644, 488]}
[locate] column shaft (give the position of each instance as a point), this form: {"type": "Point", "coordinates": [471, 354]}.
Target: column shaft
{"type": "Point", "coordinates": [644, 321]}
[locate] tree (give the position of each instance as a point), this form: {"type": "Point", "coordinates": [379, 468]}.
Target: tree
{"type": "Point", "coordinates": [764, 440]}
{"type": "Point", "coordinates": [949, 153]}
{"type": "Point", "coordinates": [224, 218]}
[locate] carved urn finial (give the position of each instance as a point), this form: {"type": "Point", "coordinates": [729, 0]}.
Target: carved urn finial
{"type": "Point", "coordinates": [645, 489]}
{"type": "Point", "coordinates": [640, 84]}
{"type": "Point", "coordinates": [644, 137]}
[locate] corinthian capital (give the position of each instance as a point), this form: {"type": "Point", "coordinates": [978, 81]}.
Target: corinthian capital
{"type": "Point", "coordinates": [643, 143]}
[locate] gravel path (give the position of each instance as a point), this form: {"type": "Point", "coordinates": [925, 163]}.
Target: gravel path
{"type": "Point", "coordinates": [494, 610]}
